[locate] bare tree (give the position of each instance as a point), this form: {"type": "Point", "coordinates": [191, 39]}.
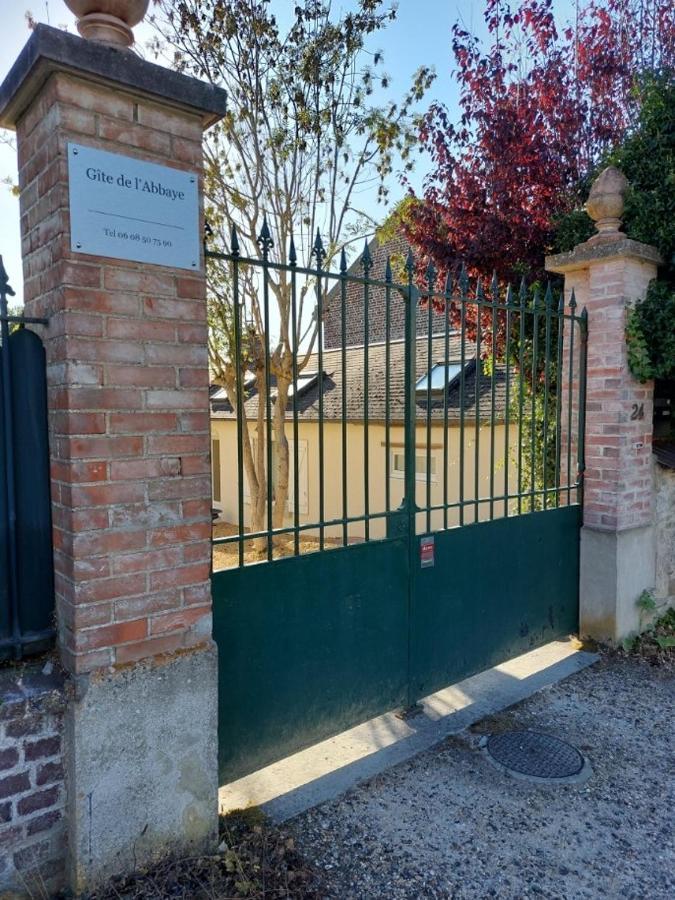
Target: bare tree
{"type": "Point", "coordinates": [302, 140]}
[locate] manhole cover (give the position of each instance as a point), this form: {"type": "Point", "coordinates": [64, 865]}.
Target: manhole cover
{"type": "Point", "coordinates": [537, 756]}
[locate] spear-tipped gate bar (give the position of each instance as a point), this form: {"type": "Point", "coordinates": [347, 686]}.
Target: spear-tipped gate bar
{"type": "Point", "coordinates": [477, 397]}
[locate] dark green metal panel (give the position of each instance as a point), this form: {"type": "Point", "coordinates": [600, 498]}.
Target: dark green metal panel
{"type": "Point", "coordinates": [26, 464]}
{"type": "Point", "coordinates": [496, 589]}
{"type": "Point", "coordinates": [308, 646]}
{"type": "Point", "coordinates": [31, 472]}
{"type": "Point", "coordinates": [5, 601]}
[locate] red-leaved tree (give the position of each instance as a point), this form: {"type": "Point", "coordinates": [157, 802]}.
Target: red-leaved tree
{"type": "Point", "coordinates": [539, 108]}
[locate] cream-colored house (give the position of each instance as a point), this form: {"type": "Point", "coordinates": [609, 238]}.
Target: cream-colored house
{"type": "Point", "coordinates": [358, 432]}
{"type": "Point", "coordinates": [434, 444]}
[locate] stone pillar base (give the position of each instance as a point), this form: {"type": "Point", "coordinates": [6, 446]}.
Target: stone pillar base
{"type": "Point", "coordinates": [143, 761]}
{"type": "Point", "coordinates": [616, 566]}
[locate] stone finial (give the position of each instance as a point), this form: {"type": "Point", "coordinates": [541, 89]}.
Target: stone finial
{"type": "Point", "coordinates": [605, 202]}
{"type": "Point", "coordinates": [108, 21]}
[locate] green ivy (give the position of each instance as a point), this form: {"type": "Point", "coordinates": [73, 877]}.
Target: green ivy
{"type": "Point", "coordinates": [573, 228]}
{"type": "Point", "coordinates": [647, 159]}
{"type": "Point", "coordinates": [537, 445]}
{"type": "Point", "coordinates": [650, 333]}
{"type": "Point", "coordinates": [538, 462]}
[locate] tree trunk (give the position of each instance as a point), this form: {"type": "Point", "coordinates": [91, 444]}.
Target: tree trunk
{"type": "Point", "coordinates": [282, 461]}
{"type": "Point", "coordinates": [259, 501]}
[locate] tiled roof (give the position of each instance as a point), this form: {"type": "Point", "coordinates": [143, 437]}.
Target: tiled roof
{"type": "Point", "coordinates": [308, 401]}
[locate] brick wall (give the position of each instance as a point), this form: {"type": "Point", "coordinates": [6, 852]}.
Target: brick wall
{"type": "Point", "coordinates": [128, 393]}
{"type": "Point", "coordinates": [619, 410]}
{"type": "Point", "coordinates": [32, 830]}
{"type": "Point", "coordinates": [664, 519]}
{"type": "Point", "coordinates": [618, 492]}
{"type": "Point", "coordinates": [396, 249]}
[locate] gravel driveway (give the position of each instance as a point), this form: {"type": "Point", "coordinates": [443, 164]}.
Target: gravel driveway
{"type": "Point", "coordinates": [449, 824]}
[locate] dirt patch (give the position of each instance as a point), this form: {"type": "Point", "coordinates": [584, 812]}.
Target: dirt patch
{"type": "Point", "coordinates": [656, 645]}
{"type": "Point", "coordinates": [225, 556]}
{"type": "Point", "coordinates": [255, 862]}
{"type": "Point", "coordinates": [510, 719]}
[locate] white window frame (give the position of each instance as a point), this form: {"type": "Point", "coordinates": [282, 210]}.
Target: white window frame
{"type": "Point", "coordinates": [450, 380]}
{"type": "Point", "coordinates": [420, 453]}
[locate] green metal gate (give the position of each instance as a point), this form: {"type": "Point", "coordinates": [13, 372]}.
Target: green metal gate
{"type": "Point", "coordinates": [439, 532]}
{"type": "Point", "coordinates": [26, 560]}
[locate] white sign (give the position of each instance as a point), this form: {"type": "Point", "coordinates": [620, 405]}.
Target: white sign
{"type": "Point", "coordinates": [131, 209]}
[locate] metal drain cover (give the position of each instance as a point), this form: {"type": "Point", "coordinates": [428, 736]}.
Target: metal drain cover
{"type": "Point", "coordinates": [531, 754]}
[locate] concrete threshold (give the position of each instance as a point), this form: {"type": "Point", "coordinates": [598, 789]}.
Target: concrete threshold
{"type": "Point", "coordinates": [330, 768]}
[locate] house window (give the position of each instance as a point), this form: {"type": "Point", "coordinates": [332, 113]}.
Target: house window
{"type": "Point", "coordinates": [443, 375]}
{"type": "Point", "coordinates": [398, 465]}
{"type": "Point", "coordinates": [215, 469]}
{"type": "Point", "coordinates": [305, 381]}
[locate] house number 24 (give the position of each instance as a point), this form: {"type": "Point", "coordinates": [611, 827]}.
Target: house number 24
{"type": "Point", "coordinates": [638, 411]}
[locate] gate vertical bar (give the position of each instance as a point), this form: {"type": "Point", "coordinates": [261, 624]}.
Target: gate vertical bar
{"type": "Point", "coordinates": [239, 387]}
{"type": "Point", "coordinates": [581, 454]}
{"type": "Point", "coordinates": [387, 387]}
{"type": "Point", "coordinates": [446, 362]}
{"type": "Point", "coordinates": [522, 300]}
{"type": "Point", "coordinates": [559, 374]}
{"type": "Point", "coordinates": [409, 500]}
{"type": "Point", "coordinates": [366, 265]}
{"type": "Point", "coordinates": [7, 412]}
{"type": "Point", "coordinates": [265, 243]}
{"type": "Point", "coordinates": [533, 399]}
{"type": "Point", "coordinates": [293, 261]}
{"type": "Point", "coordinates": [319, 254]}
{"type": "Point", "coordinates": [493, 375]}
{"type": "Point", "coordinates": [343, 424]}
{"type": "Point", "coordinates": [477, 387]}
{"type": "Point", "coordinates": [430, 279]}
{"type": "Point", "coordinates": [507, 392]}
{"type": "Point", "coordinates": [548, 305]}
{"type": "Point", "coordinates": [463, 287]}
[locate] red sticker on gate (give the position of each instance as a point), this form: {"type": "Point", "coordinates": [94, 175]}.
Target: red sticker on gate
{"type": "Point", "coordinates": [426, 552]}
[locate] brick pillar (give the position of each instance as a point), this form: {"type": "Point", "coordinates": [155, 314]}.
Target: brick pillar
{"type": "Point", "coordinates": [129, 436]}
{"type": "Point", "coordinates": [617, 538]}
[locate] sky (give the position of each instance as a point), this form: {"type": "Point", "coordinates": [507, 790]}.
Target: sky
{"type": "Point", "coordinates": [420, 35]}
